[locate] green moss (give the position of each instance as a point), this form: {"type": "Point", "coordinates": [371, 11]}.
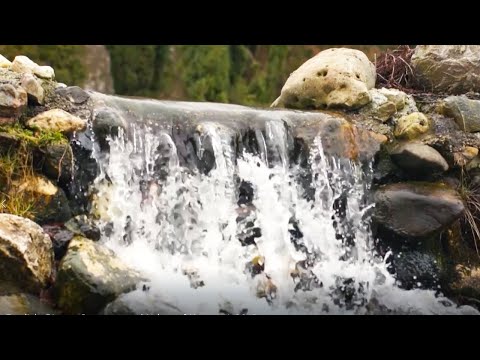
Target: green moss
{"type": "Point", "coordinates": [17, 164]}
{"type": "Point", "coordinates": [34, 138]}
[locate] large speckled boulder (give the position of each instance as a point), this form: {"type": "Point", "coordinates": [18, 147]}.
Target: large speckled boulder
{"type": "Point", "coordinates": [26, 254]}
{"type": "Point", "coordinates": [417, 209]}
{"type": "Point", "coordinates": [90, 276]}
{"type": "Point", "coordinates": [57, 120]}
{"type": "Point", "coordinates": [333, 78]}
{"type": "Point", "coordinates": [454, 69]}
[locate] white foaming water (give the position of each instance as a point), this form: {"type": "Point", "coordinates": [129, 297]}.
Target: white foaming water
{"type": "Point", "coordinates": [181, 229]}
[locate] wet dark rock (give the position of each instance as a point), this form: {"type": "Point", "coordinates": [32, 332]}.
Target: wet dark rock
{"type": "Point", "coordinates": [417, 158]}
{"type": "Point", "coordinates": [85, 169]}
{"type": "Point", "coordinates": [82, 225]}
{"type": "Point", "coordinates": [417, 209]}
{"type": "Point", "coordinates": [60, 239]}
{"type": "Point", "coordinates": [58, 162]}
{"type": "Point", "coordinates": [385, 170]}
{"type": "Point", "coordinates": [107, 122]}
{"type": "Point", "coordinates": [49, 202]}
{"type": "Point", "coordinates": [416, 270]}
{"type": "Point", "coordinates": [349, 294]}
{"type": "Point", "coordinates": [245, 196]}
{"type": "Point", "coordinates": [122, 306]}
{"type": "Point", "coordinates": [256, 266]}
{"type": "Point", "coordinates": [249, 234]}
{"type": "Point", "coordinates": [74, 94]}
{"type": "Point", "coordinates": [8, 142]}
{"type": "Point", "coordinates": [55, 208]}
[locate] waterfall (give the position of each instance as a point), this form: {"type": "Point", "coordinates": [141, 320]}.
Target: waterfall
{"type": "Point", "coordinates": [209, 202]}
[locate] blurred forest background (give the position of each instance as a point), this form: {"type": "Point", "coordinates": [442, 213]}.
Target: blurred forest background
{"type": "Point", "coordinates": [241, 74]}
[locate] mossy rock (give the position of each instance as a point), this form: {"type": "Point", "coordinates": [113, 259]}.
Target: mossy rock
{"type": "Point", "coordinates": [90, 276]}
{"type": "Point", "coordinates": [57, 161]}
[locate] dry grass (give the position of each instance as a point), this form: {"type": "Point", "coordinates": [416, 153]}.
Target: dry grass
{"type": "Point", "coordinates": [394, 69]}
{"type": "Point", "coordinates": [15, 167]}
{"type": "Point", "coordinates": [471, 195]}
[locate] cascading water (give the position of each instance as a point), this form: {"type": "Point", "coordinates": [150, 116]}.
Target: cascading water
{"type": "Point", "coordinates": [241, 232]}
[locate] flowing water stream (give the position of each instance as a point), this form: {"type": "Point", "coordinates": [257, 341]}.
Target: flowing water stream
{"type": "Point", "coordinates": [222, 213]}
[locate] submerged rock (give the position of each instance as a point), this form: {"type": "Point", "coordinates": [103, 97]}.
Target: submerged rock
{"type": "Point", "coordinates": [411, 126]}
{"type": "Point", "coordinates": [466, 112]}
{"type": "Point", "coordinates": [57, 120]}
{"type": "Point", "coordinates": [333, 78]}
{"type": "Point", "coordinates": [417, 158]}
{"type": "Point", "coordinates": [82, 225]}
{"type": "Point", "coordinates": [417, 209]}
{"type": "Point", "coordinates": [26, 255]}
{"type": "Point", "coordinates": [416, 270]}
{"type": "Point", "coordinates": [107, 122]}
{"type": "Point", "coordinates": [453, 69]}
{"type": "Point", "coordinates": [126, 305]}
{"type": "Point", "coordinates": [13, 100]}
{"type": "Point", "coordinates": [90, 276]}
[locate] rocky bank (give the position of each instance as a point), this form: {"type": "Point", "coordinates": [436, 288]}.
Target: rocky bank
{"type": "Point", "coordinates": [426, 179]}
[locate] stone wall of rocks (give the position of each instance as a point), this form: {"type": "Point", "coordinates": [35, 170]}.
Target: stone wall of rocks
{"type": "Point", "coordinates": [46, 260]}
